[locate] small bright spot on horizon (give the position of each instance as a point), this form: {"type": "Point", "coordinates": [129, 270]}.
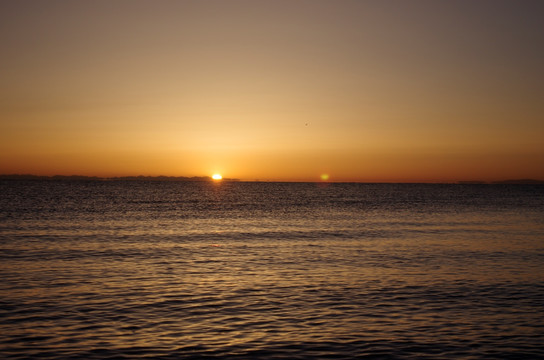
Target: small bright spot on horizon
{"type": "Point", "coordinates": [217, 176]}
{"type": "Point", "coordinates": [324, 177]}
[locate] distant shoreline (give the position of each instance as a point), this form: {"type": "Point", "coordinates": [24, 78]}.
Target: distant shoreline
{"type": "Point", "coordinates": [209, 179]}
{"type": "Point", "coordinates": [114, 178]}
{"type": "Point", "coordinates": [504, 182]}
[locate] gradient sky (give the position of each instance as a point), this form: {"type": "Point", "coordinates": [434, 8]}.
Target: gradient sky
{"type": "Point", "coordinates": [273, 90]}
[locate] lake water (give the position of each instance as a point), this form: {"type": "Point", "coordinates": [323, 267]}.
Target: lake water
{"type": "Point", "coordinates": [183, 270]}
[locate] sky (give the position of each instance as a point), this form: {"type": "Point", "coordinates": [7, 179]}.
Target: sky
{"type": "Point", "coordinates": [371, 91]}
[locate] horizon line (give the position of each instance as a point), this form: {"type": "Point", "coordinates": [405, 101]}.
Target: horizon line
{"type": "Point", "coordinates": [209, 179]}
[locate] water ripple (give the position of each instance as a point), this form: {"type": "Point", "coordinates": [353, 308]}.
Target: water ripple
{"type": "Point", "coordinates": [270, 271]}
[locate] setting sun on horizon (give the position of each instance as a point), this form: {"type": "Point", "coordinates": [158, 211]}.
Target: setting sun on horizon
{"type": "Point", "coordinates": [372, 91]}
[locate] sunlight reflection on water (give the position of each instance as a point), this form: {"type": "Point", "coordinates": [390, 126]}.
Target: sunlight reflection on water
{"type": "Point", "coordinates": [247, 270]}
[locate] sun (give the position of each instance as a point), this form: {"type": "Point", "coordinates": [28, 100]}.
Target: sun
{"type": "Point", "coordinates": [217, 176]}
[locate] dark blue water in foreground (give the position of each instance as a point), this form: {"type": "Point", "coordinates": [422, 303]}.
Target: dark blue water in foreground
{"type": "Point", "coordinates": [270, 270]}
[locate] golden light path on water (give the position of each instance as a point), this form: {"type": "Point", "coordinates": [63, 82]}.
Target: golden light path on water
{"type": "Point", "coordinates": [262, 270]}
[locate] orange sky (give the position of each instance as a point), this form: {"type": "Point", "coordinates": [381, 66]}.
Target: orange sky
{"type": "Point", "coordinates": [273, 90]}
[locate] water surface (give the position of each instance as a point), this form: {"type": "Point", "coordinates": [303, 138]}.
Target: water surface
{"type": "Point", "coordinates": [113, 269]}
